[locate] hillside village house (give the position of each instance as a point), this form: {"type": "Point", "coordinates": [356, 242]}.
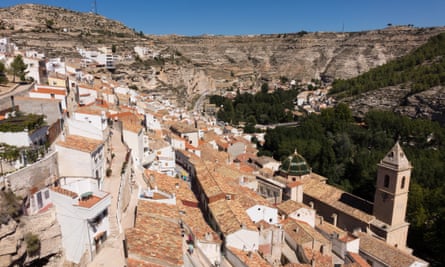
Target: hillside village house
{"type": "Point", "coordinates": [50, 92]}
{"type": "Point", "coordinates": [187, 132]}
{"type": "Point", "coordinates": [56, 65]}
{"type": "Point", "coordinates": [81, 156]}
{"type": "Point", "coordinates": [82, 212]}
{"type": "Point", "coordinates": [161, 157]}
{"type": "Point", "coordinates": [133, 135]}
{"type": "Point", "coordinates": [57, 79]}
{"type": "Point", "coordinates": [87, 94]}
{"type": "Point", "coordinates": [94, 115]}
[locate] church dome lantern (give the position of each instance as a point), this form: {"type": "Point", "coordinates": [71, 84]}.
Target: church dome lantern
{"type": "Point", "coordinates": [295, 165]}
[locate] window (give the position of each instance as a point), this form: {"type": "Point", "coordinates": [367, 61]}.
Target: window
{"type": "Point", "coordinates": [403, 182]}
{"type": "Point", "coordinates": [386, 181]}
{"type": "Point", "coordinates": [46, 194]}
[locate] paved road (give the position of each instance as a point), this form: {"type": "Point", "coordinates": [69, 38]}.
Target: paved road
{"type": "Point", "coordinates": [19, 90]}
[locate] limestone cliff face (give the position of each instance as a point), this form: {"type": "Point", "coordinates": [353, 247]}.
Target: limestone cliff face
{"type": "Point", "coordinates": [302, 56]}
{"type": "Point", "coordinates": [13, 246]}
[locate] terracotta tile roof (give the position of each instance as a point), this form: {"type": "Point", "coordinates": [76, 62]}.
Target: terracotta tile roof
{"type": "Point", "coordinates": [156, 237]}
{"type": "Point", "coordinates": [147, 209]}
{"type": "Point", "coordinates": [320, 260]}
{"type": "Point", "coordinates": [80, 143]}
{"type": "Point", "coordinates": [49, 90]}
{"type": "Point", "coordinates": [360, 262]}
{"type": "Point", "coordinates": [158, 143]}
{"type": "Point", "coordinates": [210, 154]}
{"type": "Point", "coordinates": [289, 206]}
{"type": "Point", "coordinates": [194, 219]}
{"type": "Point", "coordinates": [161, 243]}
{"type": "Point", "coordinates": [139, 263]}
{"type": "Point", "coordinates": [246, 168]}
{"type": "Point", "coordinates": [331, 229]}
{"type": "Point", "coordinates": [315, 187]}
{"type": "Point", "coordinates": [249, 198]}
{"type": "Point", "coordinates": [384, 252]}
{"type": "Point", "coordinates": [130, 121]}
{"type": "Point", "coordinates": [170, 185]}
{"type": "Point", "coordinates": [302, 232]}
{"type": "Point", "coordinates": [250, 259]}
{"type": "Point", "coordinates": [244, 157]}
{"type": "Point", "coordinates": [181, 127]}
{"type": "Point", "coordinates": [89, 110]}
{"type": "Point", "coordinates": [65, 192]}
{"type": "Point", "coordinates": [91, 201]}
{"type": "Point", "coordinates": [230, 216]}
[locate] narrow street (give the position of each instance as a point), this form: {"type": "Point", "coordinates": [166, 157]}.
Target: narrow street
{"type": "Point", "coordinates": [112, 253]}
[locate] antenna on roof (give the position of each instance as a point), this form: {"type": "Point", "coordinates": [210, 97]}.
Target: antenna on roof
{"type": "Point", "coordinates": [94, 7]}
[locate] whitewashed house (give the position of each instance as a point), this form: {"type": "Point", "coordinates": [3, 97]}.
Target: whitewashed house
{"type": "Point", "coordinates": [85, 129]}
{"type": "Point", "coordinates": [82, 212]}
{"type": "Point", "coordinates": [133, 135]}
{"type": "Point", "coordinates": [32, 68]}
{"type": "Point", "coordinates": [49, 92]}
{"type": "Point", "coordinates": [81, 156]}
{"type": "Point", "coordinates": [56, 65]}
{"type": "Point", "coordinates": [297, 211]}
{"type": "Point", "coordinates": [95, 117]}
{"type": "Point", "coordinates": [87, 94]}
{"type": "Point", "coordinates": [231, 220]}
{"type": "Point", "coordinates": [164, 157]}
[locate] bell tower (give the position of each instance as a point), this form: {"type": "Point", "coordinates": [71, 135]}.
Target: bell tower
{"type": "Point", "coordinates": [391, 196]}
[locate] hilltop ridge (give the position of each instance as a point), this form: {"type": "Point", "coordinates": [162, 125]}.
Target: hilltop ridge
{"type": "Point", "coordinates": [192, 65]}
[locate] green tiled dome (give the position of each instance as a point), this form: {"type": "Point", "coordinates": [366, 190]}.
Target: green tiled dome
{"type": "Point", "coordinates": [295, 165]}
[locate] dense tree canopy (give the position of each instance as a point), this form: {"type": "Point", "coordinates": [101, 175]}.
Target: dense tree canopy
{"type": "Point", "coordinates": [348, 152]}
{"type": "Point", "coordinates": [262, 108]}
{"type": "Point", "coordinates": [419, 70]}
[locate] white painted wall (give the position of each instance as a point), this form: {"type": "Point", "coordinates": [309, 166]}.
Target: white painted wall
{"type": "Point", "coordinates": [98, 121]}
{"type": "Point", "coordinates": [243, 239]}
{"type": "Point", "coordinates": [85, 129]}
{"type": "Point", "coordinates": [193, 138]}
{"type": "Point", "coordinates": [56, 65]}
{"type": "Point", "coordinates": [15, 138]}
{"type": "Point", "coordinates": [135, 142]}
{"type": "Point", "coordinates": [353, 246]}
{"type": "Point", "coordinates": [152, 122]}
{"type": "Point", "coordinates": [77, 234]}
{"type": "Point", "coordinates": [304, 215]}
{"type": "Point", "coordinates": [38, 201]}
{"type": "Point", "coordinates": [212, 251]}
{"type": "Point", "coordinates": [260, 212]}
{"type": "Point", "coordinates": [78, 163]}
{"type": "Point", "coordinates": [33, 68]}
{"type": "Point", "coordinates": [48, 96]}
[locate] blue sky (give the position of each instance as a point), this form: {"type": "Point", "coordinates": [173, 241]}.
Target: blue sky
{"type": "Point", "coordinates": [234, 17]}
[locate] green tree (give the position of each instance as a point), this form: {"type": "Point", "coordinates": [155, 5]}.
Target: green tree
{"type": "Point", "coordinates": [32, 243]}
{"type": "Point", "coordinates": [264, 88]}
{"type": "Point", "coordinates": [3, 78]}
{"type": "Point", "coordinates": [18, 68]}
{"type": "Point", "coordinates": [113, 48]}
